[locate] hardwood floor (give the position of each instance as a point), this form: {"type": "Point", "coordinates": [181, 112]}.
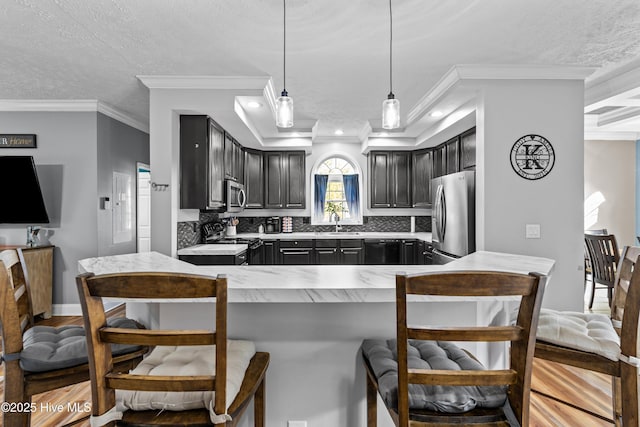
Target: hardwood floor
{"type": "Point", "coordinates": [584, 389]}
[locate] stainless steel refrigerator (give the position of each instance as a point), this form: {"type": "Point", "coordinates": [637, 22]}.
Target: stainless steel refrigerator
{"type": "Point", "coordinates": [453, 218]}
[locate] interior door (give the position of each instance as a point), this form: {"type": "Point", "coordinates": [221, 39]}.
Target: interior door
{"type": "Point", "coordinates": [144, 208]}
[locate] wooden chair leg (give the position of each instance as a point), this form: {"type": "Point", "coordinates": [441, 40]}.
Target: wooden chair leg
{"type": "Point", "coordinates": [372, 403]}
{"type": "Point", "coordinates": [259, 405]}
{"type": "Point", "coordinates": [593, 293]}
{"type": "Point", "coordinates": [14, 392]}
{"type": "Point", "coordinates": [616, 395]}
{"type": "Point", "coordinates": [629, 395]}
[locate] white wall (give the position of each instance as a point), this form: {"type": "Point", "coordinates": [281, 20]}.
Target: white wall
{"type": "Point", "coordinates": [508, 110]}
{"type": "Point", "coordinates": [610, 168]}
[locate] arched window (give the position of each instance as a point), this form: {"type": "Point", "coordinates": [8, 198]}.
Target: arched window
{"type": "Point", "coordinates": [337, 192]}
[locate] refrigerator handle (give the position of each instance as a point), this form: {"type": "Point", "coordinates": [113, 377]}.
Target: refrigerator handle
{"type": "Point", "coordinates": [439, 193]}
{"type": "Point", "coordinates": [443, 215]}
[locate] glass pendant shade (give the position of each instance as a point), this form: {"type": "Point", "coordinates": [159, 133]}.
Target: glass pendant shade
{"type": "Point", "coordinates": [390, 113]}
{"type": "Point", "coordinates": [284, 111]}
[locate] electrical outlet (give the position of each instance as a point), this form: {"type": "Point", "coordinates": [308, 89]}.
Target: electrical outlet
{"type": "Point", "coordinates": [296, 424]}
{"type": "Point", "coordinates": [532, 231]}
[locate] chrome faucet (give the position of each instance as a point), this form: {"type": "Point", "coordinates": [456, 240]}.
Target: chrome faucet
{"type": "Point", "coordinates": [336, 218]}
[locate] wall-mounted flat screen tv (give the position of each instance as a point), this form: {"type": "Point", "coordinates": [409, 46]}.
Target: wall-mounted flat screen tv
{"type": "Point", "coordinates": [22, 201]}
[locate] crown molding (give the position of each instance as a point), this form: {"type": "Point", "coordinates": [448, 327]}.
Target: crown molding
{"type": "Point", "coordinates": [72, 105]}
{"type": "Point", "coordinates": [458, 73]}
{"type": "Point", "coordinates": [591, 135]}
{"type": "Point", "coordinates": [205, 82]}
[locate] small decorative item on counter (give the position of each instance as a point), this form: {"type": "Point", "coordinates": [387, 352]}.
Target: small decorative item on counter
{"type": "Point", "coordinates": [287, 224]}
{"type": "Point", "coordinates": [231, 226]}
{"type": "Point", "coordinates": [261, 229]}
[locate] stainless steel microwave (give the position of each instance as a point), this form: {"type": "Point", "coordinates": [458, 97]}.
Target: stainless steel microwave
{"type": "Point", "coordinates": [236, 196]}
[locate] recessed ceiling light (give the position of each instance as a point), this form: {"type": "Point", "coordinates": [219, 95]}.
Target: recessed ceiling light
{"type": "Point", "coordinates": [339, 132]}
{"type": "Point", "coordinates": [436, 113]}
{"type": "Point", "coordinates": [254, 104]}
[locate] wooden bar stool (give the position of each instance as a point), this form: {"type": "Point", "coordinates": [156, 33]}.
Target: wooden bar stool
{"type": "Point", "coordinates": [191, 377]}
{"type": "Point", "coordinates": [431, 381]}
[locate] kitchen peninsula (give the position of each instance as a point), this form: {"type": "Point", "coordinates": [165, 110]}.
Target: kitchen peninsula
{"type": "Point", "coordinates": [312, 320]}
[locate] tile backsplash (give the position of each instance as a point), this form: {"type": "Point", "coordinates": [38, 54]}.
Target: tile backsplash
{"type": "Point", "coordinates": [190, 233]}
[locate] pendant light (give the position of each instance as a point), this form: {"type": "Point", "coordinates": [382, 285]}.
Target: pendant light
{"type": "Point", "coordinates": [284, 104]}
{"type": "Point", "coordinates": [390, 106]}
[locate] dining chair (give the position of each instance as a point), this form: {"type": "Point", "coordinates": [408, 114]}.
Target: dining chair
{"type": "Point", "coordinates": [425, 379]}
{"type": "Point", "coordinates": [587, 262]}
{"type": "Point", "coordinates": [601, 343]}
{"type": "Point", "coordinates": [41, 358]}
{"type": "Point", "coordinates": [603, 258]}
{"type": "Point", "coordinates": [191, 377]}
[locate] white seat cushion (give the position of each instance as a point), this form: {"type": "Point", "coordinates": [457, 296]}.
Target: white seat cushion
{"type": "Point", "coordinates": [187, 360]}
{"type": "Point", "coordinates": [590, 332]}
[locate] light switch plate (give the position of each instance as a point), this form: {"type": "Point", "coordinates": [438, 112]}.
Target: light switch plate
{"type": "Point", "coordinates": [296, 424]}
{"type": "Point", "coordinates": [532, 231]}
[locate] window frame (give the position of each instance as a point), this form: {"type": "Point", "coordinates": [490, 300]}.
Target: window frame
{"type": "Point", "coordinates": [357, 171]}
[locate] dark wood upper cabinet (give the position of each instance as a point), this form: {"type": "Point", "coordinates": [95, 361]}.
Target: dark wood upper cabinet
{"type": "Point", "coordinates": [422, 175]}
{"type": "Point", "coordinates": [390, 179]}
{"type": "Point", "coordinates": [380, 171]}
{"type": "Point", "coordinates": [451, 150]}
{"type": "Point", "coordinates": [201, 163]}
{"type": "Point", "coordinates": [233, 159]}
{"type": "Point", "coordinates": [285, 183]}
{"type": "Point", "coordinates": [294, 164]}
{"type": "Point", "coordinates": [468, 150]}
{"type": "Point", "coordinates": [254, 178]}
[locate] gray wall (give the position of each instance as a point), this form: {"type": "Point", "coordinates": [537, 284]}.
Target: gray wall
{"type": "Point", "coordinates": [119, 148]}
{"type": "Point", "coordinates": [68, 160]}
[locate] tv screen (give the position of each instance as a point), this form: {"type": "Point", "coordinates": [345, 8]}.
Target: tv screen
{"type": "Point", "coordinates": [22, 201]}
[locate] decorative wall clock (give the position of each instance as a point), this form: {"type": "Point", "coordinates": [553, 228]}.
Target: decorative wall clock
{"type": "Point", "coordinates": [532, 157]}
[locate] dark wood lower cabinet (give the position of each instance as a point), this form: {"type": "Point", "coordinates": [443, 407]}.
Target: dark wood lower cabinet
{"type": "Point", "coordinates": [296, 252]}
{"type": "Point", "coordinates": [326, 252]}
{"type": "Point", "coordinates": [409, 252]}
{"type": "Point", "coordinates": [351, 252]}
{"type": "Point", "coordinates": [270, 252]}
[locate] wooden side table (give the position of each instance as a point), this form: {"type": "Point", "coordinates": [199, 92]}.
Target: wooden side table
{"type": "Point", "coordinates": [38, 261]}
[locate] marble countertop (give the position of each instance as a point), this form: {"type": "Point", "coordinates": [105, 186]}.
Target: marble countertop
{"type": "Point", "coordinates": [426, 236]}
{"type": "Point", "coordinates": [213, 249]}
{"type": "Point", "coordinates": [313, 283]}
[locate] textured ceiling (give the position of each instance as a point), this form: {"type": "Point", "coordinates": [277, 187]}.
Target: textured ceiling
{"type": "Point", "coordinates": [337, 51]}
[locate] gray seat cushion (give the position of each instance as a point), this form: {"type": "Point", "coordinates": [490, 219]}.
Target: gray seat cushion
{"type": "Point", "coordinates": [45, 348]}
{"type": "Point", "coordinates": [383, 358]}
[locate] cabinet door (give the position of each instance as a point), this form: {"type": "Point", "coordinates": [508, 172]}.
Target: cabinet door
{"type": "Point", "coordinates": [451, 152]}
{"type": "Point", "coordinates": [439, 161]}
{"type": "Point", "coordinates": [238, 162]}
{"type": "Point", "coordinates": [402, 179]}
{"type": "Point", "coordinates": [327, 256]}
{"type": "Point", "coordinates": [201, 163]}
{"type": "Point", "coordinates": [351, 256]}
{"type": "Point", "coordinates": [380, 168]}
{"type": "Point", "coordinates": [274, 180]}
{"type": "Point", "coordinates": [422, 174]}
{"type": "Point", "coordinates": [254, 178]}
{"type": "Point", "coordinates": [409, 252]}
{"type": "Point", "coordinates": [294, 163]}
{"type": "Point", "coordinates": [216, 167]}
{"type": "Point", "coordinates": [290, 256]}
{"type": "Point", "coordinates": [468, 150]}
{"type": "Point", "coordinates": [229, 160]}
{"type": "Point", "coordinates": [270, 252]}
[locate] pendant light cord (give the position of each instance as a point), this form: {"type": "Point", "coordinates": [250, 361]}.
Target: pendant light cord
{"type": "Point", "coordinates": [284, 48]}
{"type": "Point", "coordinates": [390, 50]}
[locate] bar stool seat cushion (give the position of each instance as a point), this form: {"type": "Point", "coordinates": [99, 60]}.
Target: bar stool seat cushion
{"type": "Point", "coordinates": [183, 361]}
{"type": "Point", "coordinates": [46, 348]}
{"type": "Point", "coordinates": [590, 332]}
{"type": "Point", "coordinates": [382, 357]}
